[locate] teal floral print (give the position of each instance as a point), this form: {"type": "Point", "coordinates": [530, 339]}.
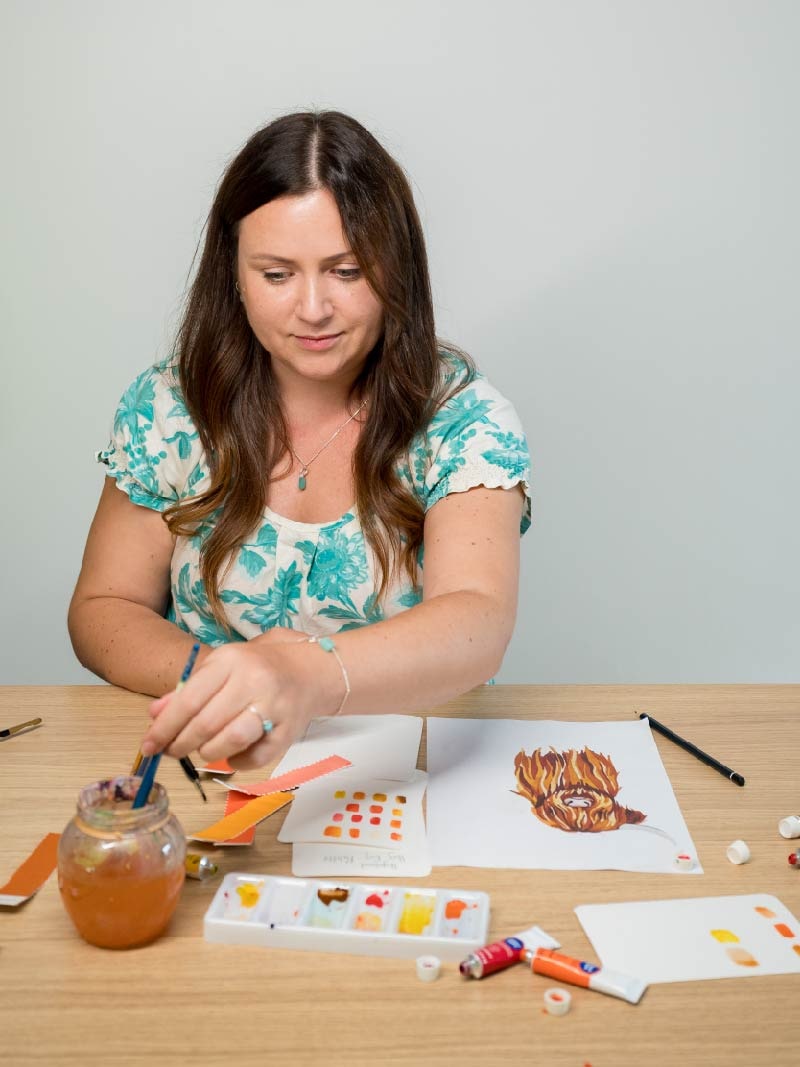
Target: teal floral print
{"type": "Point", "coordinates": [316, 578]}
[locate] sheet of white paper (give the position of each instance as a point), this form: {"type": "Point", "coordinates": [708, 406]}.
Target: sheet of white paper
{"type": "Point", "coordinates": [383, 746]}
{"type": "Point", "coordinates": [407, 856]}
{"type": "Point", "coordinates": [476, 818]}
{"type": "Point", "coordinates": [672, 940]}
{"type": "Point", "coordinates": [320, 860]}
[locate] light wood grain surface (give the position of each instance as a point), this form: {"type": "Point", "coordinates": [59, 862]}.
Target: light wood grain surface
{"type": "Point", "coordinates": [183, 1001]}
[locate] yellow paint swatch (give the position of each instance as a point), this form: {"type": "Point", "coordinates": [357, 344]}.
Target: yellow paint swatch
{"type": "Point", "coordinates": [724, 935]}
{"type": "Point", "coordinates": [239, 821]}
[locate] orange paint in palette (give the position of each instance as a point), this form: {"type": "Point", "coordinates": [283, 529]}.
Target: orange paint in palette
{"type": "Point", "coordinates": [339, 917]}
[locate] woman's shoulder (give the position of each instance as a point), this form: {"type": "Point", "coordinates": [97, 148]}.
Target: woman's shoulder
{"type": "Point", "coordinates": [467, 396]}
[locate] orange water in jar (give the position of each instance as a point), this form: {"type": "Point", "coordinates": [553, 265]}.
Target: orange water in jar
{"type": "Point", "coordinates": [120, 871]}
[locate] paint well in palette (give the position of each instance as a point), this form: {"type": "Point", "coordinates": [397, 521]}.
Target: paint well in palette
{"type": "Point", "coordinates": [417, 913]}
{"type": "Point", "coordinates": [240, 904]}
{"type": "Point", "coordinates": [328, 907]}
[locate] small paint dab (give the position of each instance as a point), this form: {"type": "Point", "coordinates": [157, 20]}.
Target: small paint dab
{"type": "Point", "coordinates": [374, 821]}
{"type": "Point", "coordinates": [766, 913]}
{"type": "Point", "coordinates": [368, 920]}
{"type": "Point", "coordinates": [376, 809]}
{"type": "Point", "coordinates": [783, 930]}
{"type": "Point", "coordinates": [454, 908]}
{"type": "Point", "coordinates": [396, 824]}
{"type": "Point", "coordinates": [742, 957]}
{"type": "Point", "coordinates": [400, 800]}
{"type": "Point", "coordinates": [359, 796]}
{"type": "Point", "coordinates": [396, 811]}
{"type": "Point", "coordinates": [797, 949]}
{"type": "Point", "coordinates": [351, 807]}
{"type": "Point", "coordinates": [379, 796]}
{"type": "Point", "coordinates": [338, 817]}
{"type": "Point", "coordinates": [396, 837]}
{"type": "Point", "coordinates": [374, 901]}
{"type": "Point", "coordinates": [249, 894]}
{"type": "Point", "coordinates": [356, 818]}
{"type": "Point", "coordinates": [330, 896]}
{"type": "Point", "coordinates": [724, 935]}
{"type": "Point", "coordinates": [353, 832]}
{"type": "Point", "coordinates": [339, 794]}
{"type": "Point", "coordinates": [332, 831]}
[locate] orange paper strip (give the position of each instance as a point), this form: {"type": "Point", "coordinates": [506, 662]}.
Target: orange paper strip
{"type": "Point", "coordinates": [32, 873]}
{"type": "Point", "coordinates": [292, 779]}
{"type": "Point", "coordinates": [248, 815]}
{"type": "Point", "coordinates": [220, 766]}
{"type": "Point", "coordinates": [234, 801]}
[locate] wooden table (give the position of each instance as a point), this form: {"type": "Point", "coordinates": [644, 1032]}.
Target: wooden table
{"type": "Point", "coordinates": [184, 1001]}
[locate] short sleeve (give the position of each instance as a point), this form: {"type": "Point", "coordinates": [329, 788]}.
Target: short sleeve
{"type": "Point", "coordinates": [476, 438]}
{"type": "Point", "coordinates": [154, 453]}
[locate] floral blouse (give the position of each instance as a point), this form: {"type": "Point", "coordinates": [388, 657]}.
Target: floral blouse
{"type": "Point", "coordinates": [315, 577]}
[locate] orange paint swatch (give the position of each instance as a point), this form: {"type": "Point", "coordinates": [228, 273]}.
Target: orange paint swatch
{"type": "Point", "coordinates": [742, 957]}
{"type": "Point", "coordinates": [220, 766]}
{"type": "Point", "coordinates": [332, 831]}
{"type": "Point", "coordinates": [766, 913]}
{"type": "Point", "coordinates": [248, 815]}
{"type": "Point", "coordinates": [783, 930]}
{"type": "Point", "coordinates": [32, 873]}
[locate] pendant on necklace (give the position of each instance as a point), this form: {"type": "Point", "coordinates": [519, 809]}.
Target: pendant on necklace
{"type": "Point", "coordinates": [301, 481]}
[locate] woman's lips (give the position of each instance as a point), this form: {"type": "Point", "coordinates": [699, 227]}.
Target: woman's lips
{"type": "Point", "coordinates": [317, 344]}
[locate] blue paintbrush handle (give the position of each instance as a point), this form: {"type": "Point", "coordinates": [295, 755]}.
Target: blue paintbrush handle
{"type": "Point", "coordinates": [149, 766]}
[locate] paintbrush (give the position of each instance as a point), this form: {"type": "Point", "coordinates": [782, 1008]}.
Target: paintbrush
{"type": "Point", "coordinates": [149, 764]}
{"type": "Point", "coordinates": [20, 727]}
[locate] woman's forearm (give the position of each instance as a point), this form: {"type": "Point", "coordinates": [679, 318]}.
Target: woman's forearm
{"type": "Point", "coordinates": [427, 655]}
{"type": "Point", "coordinates": [128, 644]}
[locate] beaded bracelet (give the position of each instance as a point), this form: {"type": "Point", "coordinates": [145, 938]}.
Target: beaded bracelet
{"type": "Point", "coordinates": [327, 645]}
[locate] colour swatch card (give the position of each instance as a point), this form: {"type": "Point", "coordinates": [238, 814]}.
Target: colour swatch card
{"type": "Point", "coordinates": [346, 824]}
{"type": "Point", "coordinates": [685, 940]}
{"type": "Point", "coordinates": [382, 746]}
{"type": "Point", "coordinates": [551, 795]}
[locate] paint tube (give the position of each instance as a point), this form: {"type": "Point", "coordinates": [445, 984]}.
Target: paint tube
{"type": "Point", "coordinates": [491, 958]}
{"type": "Point", "coordinates": [200, 867]}
{"type": "Point", "coordinates": [589, 975]}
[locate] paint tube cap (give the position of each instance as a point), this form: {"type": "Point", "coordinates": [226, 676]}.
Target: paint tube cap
{"type": "Point", "coordinates": [790, 826]}
{"type": "Point", "coordinates": [428, 968]}
{"type": "Point", "coordinates": [557, 1001]}
{"type": "Point", "coordinates": [738, 852]}
{"type": "Point", "coordinates": [684, 861]}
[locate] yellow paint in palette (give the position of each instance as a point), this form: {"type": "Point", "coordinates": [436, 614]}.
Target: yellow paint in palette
{"type": "Point", "coordinates": [417, 913]}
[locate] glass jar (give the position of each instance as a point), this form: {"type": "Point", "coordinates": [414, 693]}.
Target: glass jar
{"type": "Point", "coordinates": [120, 871]}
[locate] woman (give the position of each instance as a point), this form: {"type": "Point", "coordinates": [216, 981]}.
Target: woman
{"type": "Point", "coordinates": [312, 463]}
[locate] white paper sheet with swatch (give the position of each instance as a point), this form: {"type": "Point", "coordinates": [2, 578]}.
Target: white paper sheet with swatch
{"type": "Point", "coordinates": [551, 795]}
{"type": "Point", "coordinates": [366, 820]}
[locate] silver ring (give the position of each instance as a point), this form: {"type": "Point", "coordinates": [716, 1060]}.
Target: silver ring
{"type": "Point", "coordinates": [267, 725]}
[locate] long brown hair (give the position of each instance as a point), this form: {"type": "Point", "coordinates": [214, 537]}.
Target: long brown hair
{"type": "Point", "coordinates": [226, 374]}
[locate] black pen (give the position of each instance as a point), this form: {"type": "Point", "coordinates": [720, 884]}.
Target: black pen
{"type": "Point", "coordinates": [695, 751]}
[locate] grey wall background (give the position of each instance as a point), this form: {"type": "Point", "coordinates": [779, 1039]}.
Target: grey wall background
{"type": "Point", "coordinates": [609, 192]}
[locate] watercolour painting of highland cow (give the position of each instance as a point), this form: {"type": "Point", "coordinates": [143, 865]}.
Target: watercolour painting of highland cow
{"type": "Point", "coordinates": [551, 795]}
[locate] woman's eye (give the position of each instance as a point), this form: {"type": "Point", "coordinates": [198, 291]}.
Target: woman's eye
{"type": "Point", "coordinates": [348, 274]}
{"type": "Point", "coordinates": [276, 276]}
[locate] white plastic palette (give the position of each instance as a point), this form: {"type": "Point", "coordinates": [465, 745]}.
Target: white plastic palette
{"type": "Point", "coordinates": [332, 916]}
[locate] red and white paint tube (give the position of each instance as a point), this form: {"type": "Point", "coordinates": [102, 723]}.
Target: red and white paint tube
{"type": "Point", "coordinates": [589, 975]}
{"type": "Point", "coordinates": [491, 958]}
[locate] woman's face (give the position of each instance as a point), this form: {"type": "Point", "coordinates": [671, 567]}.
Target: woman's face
{"type": "Point", "coordinates": [303, 292]}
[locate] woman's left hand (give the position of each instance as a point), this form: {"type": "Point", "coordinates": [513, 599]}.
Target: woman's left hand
{"type": "Point", "coordinates": [222, 709]}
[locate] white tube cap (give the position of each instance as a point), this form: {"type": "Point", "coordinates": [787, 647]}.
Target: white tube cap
{"type": "Point", "coordinates": [684, 861]}
{"type": "Point", "coordinates": [790, 826]}
{"type": "Point", "coordinates": [428, 968]}
{"type": "Point", "coordinates": [557, 1001]}
{"type": "Point", "coordinates": [738, 852]}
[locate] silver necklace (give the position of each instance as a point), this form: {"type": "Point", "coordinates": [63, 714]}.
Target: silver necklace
{"type": "Point", "coordinates": [304, 465]}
